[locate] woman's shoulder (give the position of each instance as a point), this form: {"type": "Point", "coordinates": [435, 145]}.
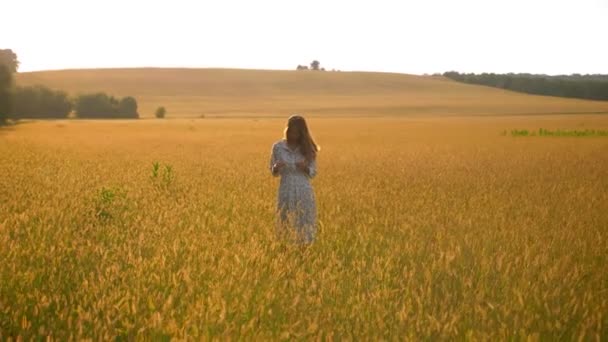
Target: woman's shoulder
{"type": "Point", "coordinates": [278, 143]}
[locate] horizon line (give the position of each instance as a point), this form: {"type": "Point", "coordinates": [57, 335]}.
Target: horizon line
{"type": "Point", "coordinates": [280, 69]}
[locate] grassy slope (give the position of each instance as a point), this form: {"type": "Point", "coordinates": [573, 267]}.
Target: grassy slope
{"type": "Point", "coordinates": [220, 92]}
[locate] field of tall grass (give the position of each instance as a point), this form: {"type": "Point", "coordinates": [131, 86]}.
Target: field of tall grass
{"type": "Point", "coordinates": [428, 229]}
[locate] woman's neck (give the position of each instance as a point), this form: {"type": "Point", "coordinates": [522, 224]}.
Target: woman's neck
{"type": "Point", "coordinates": [292, 145]}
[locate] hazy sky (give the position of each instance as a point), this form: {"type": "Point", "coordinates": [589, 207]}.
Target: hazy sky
{"type": "Point", "coordinates": [415, 36]}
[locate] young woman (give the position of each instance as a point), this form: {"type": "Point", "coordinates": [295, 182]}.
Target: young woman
{"type": "Point", "coordinates": [294, 159]}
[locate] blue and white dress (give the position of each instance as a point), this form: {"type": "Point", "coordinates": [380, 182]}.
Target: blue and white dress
{"type": "Point", "coordinates": [296, 207]}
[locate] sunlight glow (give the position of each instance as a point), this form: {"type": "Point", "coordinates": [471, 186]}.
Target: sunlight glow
{"type": "Point", "coordinates": [540, 36]}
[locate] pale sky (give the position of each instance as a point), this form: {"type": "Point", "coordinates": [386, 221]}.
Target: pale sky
{"type": "Point", "coordinates": [415, 36]}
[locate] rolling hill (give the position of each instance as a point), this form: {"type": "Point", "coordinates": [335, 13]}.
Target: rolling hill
{"type": "Point", "coordinates": [241, 92]}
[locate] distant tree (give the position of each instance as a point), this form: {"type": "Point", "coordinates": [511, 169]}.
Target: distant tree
{"type": "Point", "coordinates": [6, 85]}
{"type": "Point", "coordinates": [127, 107]}
{"type": "Point", "coordinates": [160, 112]}
{"type": "Point", "coordinates": [315, 65]}
{"type": "Point", "coordinates": [103, 106]}
{"type": "Point", "coordinates": [302, 67]}
{"type": "Point", "coordinates": [97, 105]}
{"type": "Point", "coordinates": [40, 102]}
{"type": "Point", "coordinates": [9, 59]}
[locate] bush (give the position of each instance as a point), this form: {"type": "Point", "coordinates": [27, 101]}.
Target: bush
{"type": "Point", "coordinates": [103, 106]}
{"type": "Point", "coordinates": [160, 112]}
{"type": "Point", "coordinates": [40, 102]}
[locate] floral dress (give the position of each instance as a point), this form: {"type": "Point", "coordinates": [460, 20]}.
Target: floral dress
{"type": "Point", "coordinates": [296, 207]}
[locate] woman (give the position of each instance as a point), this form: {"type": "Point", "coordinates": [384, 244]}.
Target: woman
{"type": "Point", "coordinates": [294, 159]}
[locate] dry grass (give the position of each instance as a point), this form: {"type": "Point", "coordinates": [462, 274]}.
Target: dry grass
{"type": "Point", "coordinates": [429, 228]}
{"type": "Point", "coordinates": [226, 92]}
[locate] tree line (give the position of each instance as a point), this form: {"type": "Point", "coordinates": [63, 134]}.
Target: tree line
{"type": "Point", "coordinates": [8, 66]}
{"type": "Point", "coordinates": [314, 66]}
{"type": "Point", "coordinates": [40, 102]}
{"type": "Point", "coordinates": [592, 87]}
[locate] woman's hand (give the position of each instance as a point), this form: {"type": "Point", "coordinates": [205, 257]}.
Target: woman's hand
{"type": "Point", "coordinates": [302, 166]}
{"type": "Point", "coordinates": [276, 167]}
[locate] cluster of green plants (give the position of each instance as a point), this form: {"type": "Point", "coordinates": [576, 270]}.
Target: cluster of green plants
{"type": "Point", "coordinates": [543, 132]}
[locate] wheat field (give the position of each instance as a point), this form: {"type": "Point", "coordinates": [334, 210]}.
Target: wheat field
{"type": "Point", "coordinates": [429, 228]}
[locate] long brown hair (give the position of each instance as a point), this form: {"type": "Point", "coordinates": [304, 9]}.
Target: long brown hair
{"type": "Point", "coordinates": [307, 145]}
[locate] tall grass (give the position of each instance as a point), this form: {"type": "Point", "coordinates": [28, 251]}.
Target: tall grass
{"type": "Point", "coordinates": [429, 229]}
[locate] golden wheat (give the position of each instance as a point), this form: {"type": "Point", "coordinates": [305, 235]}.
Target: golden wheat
{"type": "Point", "coordinates": [429, 229]}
